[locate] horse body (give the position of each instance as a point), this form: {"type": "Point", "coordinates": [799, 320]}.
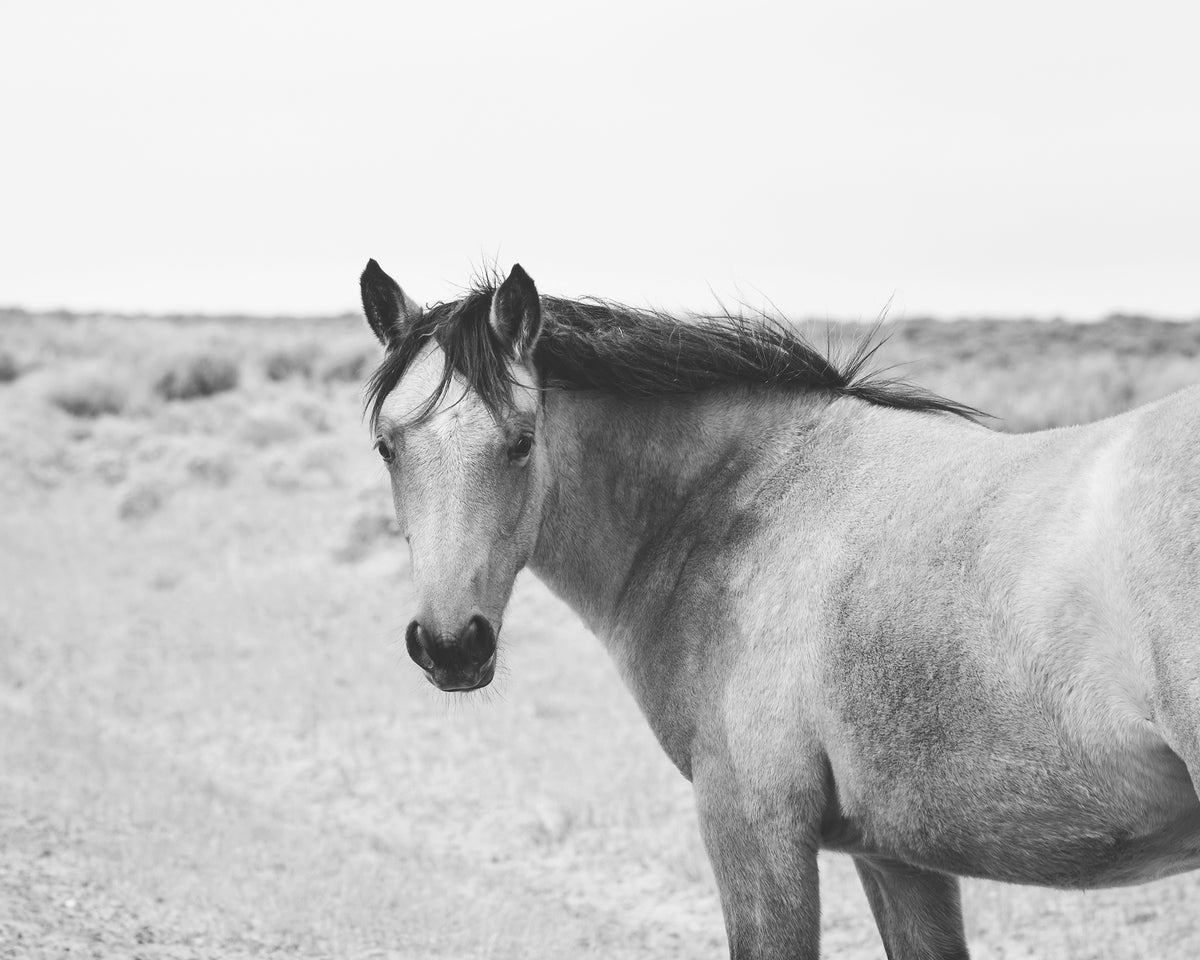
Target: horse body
{"type": "Point", "coordinates": [1000, 625]}
{"type": "Point", "coordinates": [943, 650]}
{"type": "Point", "coordinates": [1018, 741]}
{"type": "Point", "coordinates": [940, 610]}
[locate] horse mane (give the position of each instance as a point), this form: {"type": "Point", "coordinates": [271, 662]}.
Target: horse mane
{"type": "Point", "coordinates": [598, 345]}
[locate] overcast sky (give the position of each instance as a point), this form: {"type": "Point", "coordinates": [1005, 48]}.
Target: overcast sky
{"type": "Point", "coordinates": [1017, 158]}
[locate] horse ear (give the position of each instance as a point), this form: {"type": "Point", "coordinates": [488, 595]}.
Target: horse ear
{"type": "Point", "coordinates": [387, 307]}
{"type": "Point", "coordinates": [516, 315]}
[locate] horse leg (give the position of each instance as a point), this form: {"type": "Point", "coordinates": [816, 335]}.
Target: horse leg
{"type": "Point", "coordinates": [918, 912]}
{"type": "Point", "coordinates": [763, 849]}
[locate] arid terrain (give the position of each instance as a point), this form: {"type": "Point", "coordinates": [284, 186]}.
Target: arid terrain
{"type": "Point", "coordinates": [213, 744]}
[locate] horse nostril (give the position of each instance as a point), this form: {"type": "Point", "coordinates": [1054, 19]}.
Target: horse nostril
{"type": "Point", "coordinates": [479, 639]}
{"type": "Point", "coordinates": [416, 639]}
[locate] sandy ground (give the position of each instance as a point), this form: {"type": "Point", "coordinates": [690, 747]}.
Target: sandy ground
{"type": "Point", "coordinates": [212, 743]}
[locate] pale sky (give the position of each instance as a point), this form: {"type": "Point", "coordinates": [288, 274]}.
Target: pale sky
{"type": "Point", "coordinates": [955, 157]}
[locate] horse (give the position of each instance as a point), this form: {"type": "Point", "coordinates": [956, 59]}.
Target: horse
{"type": "Point", "coordinates": [855, 617]}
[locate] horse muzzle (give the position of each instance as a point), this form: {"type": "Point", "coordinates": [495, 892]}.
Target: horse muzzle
{"type": "Point", "coordinates": [455, 662]}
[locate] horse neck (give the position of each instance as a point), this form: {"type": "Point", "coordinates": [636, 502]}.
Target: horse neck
{"type": "Point", "coordinates": [630, 475]}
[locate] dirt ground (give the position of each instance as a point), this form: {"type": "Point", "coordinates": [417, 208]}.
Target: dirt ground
{"type": "Point", "coordinates": [212, 743]}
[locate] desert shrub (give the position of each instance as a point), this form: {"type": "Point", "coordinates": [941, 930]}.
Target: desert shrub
{"type": "Point", "coordinates": [313, 415]}
{"type": "Point", "coordinates": [267, 430]}
{"type": "Point", "coordinates": [212, 468]}
{"type": "Point", "coordinates": [91, 395]}
{"type": "Point", "coordinates": [112, 468]}
{"type": "Point", "coordinates": [289, 362]}
{"type": "Point", "coordinates": [197, 375]}
{"type": "Point", "coordinates": [322, 462]}
{"type": "Point", "coordinates": [281, 472]}
{"type": "Point", "coordinates": [372, 528]}
{"type": "Point", "coordinates": [349, 366]}
{"type": "Point", "coordinates": [9, 369]}
{"type": "Point", "coordinates": [141, 502]}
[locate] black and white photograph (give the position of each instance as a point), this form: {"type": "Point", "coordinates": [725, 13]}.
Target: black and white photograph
{"type": "Point", "coordinates": [599, 481]}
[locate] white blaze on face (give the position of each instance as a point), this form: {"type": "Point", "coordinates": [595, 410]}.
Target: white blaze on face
{"type": "Point", "coordinates": [422, 378]}
{"type": "Point", "coordinates": [458, 499]}
{"type": "Point", "coordinates": [416, 387]}
{"type": "Point", "coordinates": [525, 389]}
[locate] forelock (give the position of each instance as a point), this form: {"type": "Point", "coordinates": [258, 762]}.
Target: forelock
{"type": "Point", "coordinates": [471, 355]}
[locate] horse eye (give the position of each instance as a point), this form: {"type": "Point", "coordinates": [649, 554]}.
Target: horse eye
{"type": "Point", "coordinates": [385, 450]}
{"type": "Point", "coordinates": [521, 448]}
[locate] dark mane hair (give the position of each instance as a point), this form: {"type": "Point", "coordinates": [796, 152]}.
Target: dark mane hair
{"type": "Point", "coordinates": [601, 346]}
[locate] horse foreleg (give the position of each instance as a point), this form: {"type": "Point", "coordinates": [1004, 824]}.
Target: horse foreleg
{"type": "Point", "coordinates": [763, 849]}
{"type": "Point", "coordinates": [918, 912]}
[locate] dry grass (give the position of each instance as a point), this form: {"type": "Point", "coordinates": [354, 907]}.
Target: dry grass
{"type": "Point", "coordinates": [212, 743]}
